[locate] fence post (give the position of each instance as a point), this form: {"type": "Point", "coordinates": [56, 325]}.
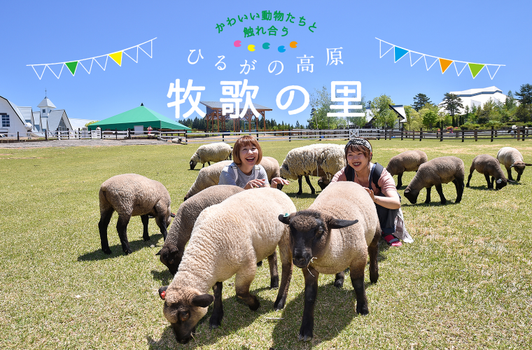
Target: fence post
{"type": "Point", "coordinates": [463, 132]}
{"type": "Point", "coordinates": [402, 130]}
{"type": "Point", "coordinates": [420, 134]}
{"type": "Point", "coordinates": [523, 133]}
{"type": "Point", "coordinates": [289, 136]}
{"type": "Point", "coordinates": [18, 136]}
{"type": "Point", "coordinates": [492, 131]}
{"type": "Point", "coordinates": [413, 134]}
{"type": "Point", "coordinates": [476, 135]}
{"type": "Point", "coordinates": [46, 135]}
{"type": "Point", "coordinates": [441, 134]}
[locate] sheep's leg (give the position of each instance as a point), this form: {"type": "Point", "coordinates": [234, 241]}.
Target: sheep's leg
{"type": "Point", "coordinates": [490, 182]}
{"type": "Point", "coordinates": [306, 331]}
{"type": "Point", "coordinates": [470, 176]}
{"type": "Point", "coordinates": [357, 279]}
{"type": "Point", "coordinates": [459, 184]}
{"type": "Point", "coordinates": [121, 227]}
{"type": "Point", "coordinates": [373, 250]}
{"type": "Point", "coordinates": [399, 180]}
{"type": "Point", "coordinates": [307, 178]}
{"type": "Point", "coordinates": [161, 221]}
{"type": "Point", "coordinates": [218, 311]}
{"type": "Point", "coordinates": [440, 192]}
{"type": "Point", "coordinates": [243, 281]}
{"type": "Point", "coordinates": [145, 234]}
{"type": "Point", "coordinates": [509, 171]}
{"type": "Point", "coordinates": [427, 201]}
{"type": "Point", "coordinates": [274, 273]}
{"type": "Point", "coordinates": [519, 173]}
{"type": "Point", "coordinates": [339, 279]}
{"type": "Point", "coordinates": [105, 218]}
{"type": "Point", "coordinates": [300, 182]}
{"type": "Point", "coordinates": [286, 261]}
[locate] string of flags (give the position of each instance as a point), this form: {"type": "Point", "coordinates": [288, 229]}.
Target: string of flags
{"type": "Point", "coordinates": [474, 68]}
{"type": "Point", "coordinates": [87, 63]}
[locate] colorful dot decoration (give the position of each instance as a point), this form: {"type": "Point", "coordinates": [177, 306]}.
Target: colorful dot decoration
{"type": "Point", "coordinates": [265, 46]}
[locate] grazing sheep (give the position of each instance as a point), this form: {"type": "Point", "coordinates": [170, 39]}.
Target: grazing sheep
{"type": "Point", "coordinates": [228, 238]}
{"type": "Point", "coordinates": [132, 195]}
{"type": "Point", "coordinates": [210, 175]}
{"type": "Point", "coordinates": [488, 165]}
{"type": "Point", "coordinates": [512, 158]}
{"type": "Point", "coordinates": [336, 232]}
{"type": "Point", "coordinates": [406, 161]}
{"type": "Point", "coordinates": [322, 160]}
{"type": "Point", "coordinates": [213, 152]}
{"type": "Point", "coordinates": [436, 172]}
{"type": "Point", "coordinates": [179, 233]}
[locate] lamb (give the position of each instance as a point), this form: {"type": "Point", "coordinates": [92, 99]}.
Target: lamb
{"type": "Point", "coordinates": [213, 152]}
{"type": "Point", "coordinates": [406, 161]}
{"type": "Point", "coordinates": [322, 160]}
{"type": "Point", "coordinates": [228, 238]}
{"type": "Point", "coordinates": [336, 232]}
{"type": "Point", "coordinates": [512, 158]}
{"type": "Point", "coordinates": [488, 165]}
{"type": "Point", "coordinates": [210, 175]}
{"type": "Point", "coordinates": [179, 234]}
{"type": "Point", "coordinates": [132, 195]}
{"type": "Point", "coordinates": [436, 172]}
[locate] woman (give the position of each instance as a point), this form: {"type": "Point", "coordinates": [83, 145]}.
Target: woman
{"type": "Point", "coordinates": [360, 169]}
{"type": "Point", "coordinates": [246, 171]}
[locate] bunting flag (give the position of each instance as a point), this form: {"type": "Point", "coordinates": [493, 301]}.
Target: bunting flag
{"type": "Point", "coordinates": [86, 63]}
{"type": "Point", "coordinates": [474, 68]}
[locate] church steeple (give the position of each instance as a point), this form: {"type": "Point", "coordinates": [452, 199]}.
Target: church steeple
{"type": "Point", "coordinates": [46, 107]}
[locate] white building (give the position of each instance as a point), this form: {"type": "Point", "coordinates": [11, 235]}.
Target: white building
{"type": "Point", "coordinates": [478, 97]}
{"type": "Point", "coordinates": [20, 119]}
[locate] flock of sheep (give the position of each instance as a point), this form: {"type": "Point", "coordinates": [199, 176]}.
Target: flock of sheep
{"type": "Point", "coordinates": [338, 231]}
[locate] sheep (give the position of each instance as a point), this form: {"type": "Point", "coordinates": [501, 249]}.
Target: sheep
{"type": "Point", "coordinates": [336, 232]}
{"type": "Point", "coordinates": [436, 172]}
{"type": "Point", "coordinates": [210, 175]}
{"type": "Point", "coordinates": [488, 165]}
{"type": "Point", "coordinates": [406, 161]}
{"type": "Point", "coordinates": [228, 238]}
{"type": "Point", "coordinates": [512, 158]}
{"type": "Point", "coordinates": [322, 160]}
{"type": "Point", "coordinates": [179, 233]}
{"type": "Point", "coordinates": [132, 195]}
{"type": "Point", "coordinates": [213, 152]}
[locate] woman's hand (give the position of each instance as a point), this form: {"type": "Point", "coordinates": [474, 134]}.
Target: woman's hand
{"type": "Point", "coordinates": [370, 192]}
{"type": "Point", "coordinates": [279, 181]}
{"type": "Point", "coordinates": [255, 184]}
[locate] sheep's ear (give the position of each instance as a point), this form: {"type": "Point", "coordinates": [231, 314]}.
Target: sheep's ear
{"type": "Point", "coordinates": [162, 292]}
{"type": "Point", "coordinates": [202, 300]}
{"type": "Point", "coordinates": [284, 218]}
{"type": "Point", "coordinates": [337, 223]}
{"type": "Point", "coordinates": [528, 164]}
{"type": "Point", "coordinates": [159, 252]}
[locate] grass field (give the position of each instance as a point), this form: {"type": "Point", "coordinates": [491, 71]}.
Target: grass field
{"type": "Point", "coordinates": [464, 283]}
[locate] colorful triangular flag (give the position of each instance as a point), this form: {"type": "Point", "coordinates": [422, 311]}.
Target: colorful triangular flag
{"type": "Point", "coordinates": [117, 57]}
{"type": "Point", "coordinates": [475, 68]}
{"type": "Point", "coordinates": [444, 64]}
{"type": "Point", "coordinates": [399, 53]}
{"type": "Point", "coordinates": [72, 66]}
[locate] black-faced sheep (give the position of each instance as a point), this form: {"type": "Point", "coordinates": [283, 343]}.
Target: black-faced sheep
{"type": "Point", "coordinates": [512, 158]}
{"type": "Point", "coordinates": [210, 175]}
{"type": "Point", "coordinates": [336, 232]}
{"type": "Point", "coordinates": [489, 166]}
{"type": "Point", "coordinates": [132, 195]}
{"type": "Point", "coordinates": [228, 238]}
{"type": "Point", "coordinates": [213, 152]}
{"type": "Point", "coordinates": [406, 161]}
{"type": "Point", "coordinates": [179, 233]}
{"type": "Point", "coordinates": [436, 172]}
{"type": "Point", "coordinates": [322, 160]}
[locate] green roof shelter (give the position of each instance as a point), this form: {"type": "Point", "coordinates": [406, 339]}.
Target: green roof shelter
{"type": "Point", "coordinates": [136, 117]}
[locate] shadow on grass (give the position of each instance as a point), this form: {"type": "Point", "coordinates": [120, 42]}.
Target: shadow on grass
{"type": "Point", "coordinates": [431, 204]}
{"type": "Point", "coordinates": [237, 315]}
{"type": "Point", "coordinates": [479, 188]}
{"type": "Point", "coordinates": [303, 195]}
{"type": "Point", "coordinates": [116, 250]}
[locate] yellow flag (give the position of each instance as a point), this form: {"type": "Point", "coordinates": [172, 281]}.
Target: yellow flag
{"type": "Point", "coordinates": [117, 57]}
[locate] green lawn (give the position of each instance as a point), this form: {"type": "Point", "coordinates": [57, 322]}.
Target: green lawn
{"type": "Point", "coordinates": [465, 282]}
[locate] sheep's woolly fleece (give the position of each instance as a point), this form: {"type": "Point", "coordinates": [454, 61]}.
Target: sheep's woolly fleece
{"type": "Point", "coordinates": [309, 160]}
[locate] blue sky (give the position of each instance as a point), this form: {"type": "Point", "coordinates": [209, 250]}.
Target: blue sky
{"type": "Point", "coordinates": [38, 32]}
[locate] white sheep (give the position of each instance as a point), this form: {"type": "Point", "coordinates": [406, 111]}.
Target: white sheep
{"type": "Point", "coordinates": [488, 165]}
{"type": "Point", "coordinates": [336, 232]}
{"type": "Point", "coordinates": [436, 172]}
{"type": "Point", "coordinates": [228, 238]}
{"type": "Point", "coordinates": [179, 233]}
{"type": "Point", "coordinates": [512, 158]}
{"type": "Point", "coordinates": [322, 160]}
{"type": "Point", "coordinates": [132, 195]}
{"type": "Point", "coordinates": [213, 152]}
{"type": "Point", "coordinates": [210, 175]}
{"type": "Point", "coordinates": [405, 161]}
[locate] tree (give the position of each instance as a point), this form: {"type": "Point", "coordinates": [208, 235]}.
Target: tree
{"type": "Point", "coordinates": [429, 115]}
{"type": "Point", "coordinates": [452, 104]}
{"type": "Point", "coordinates": [509, 104]}
{"type": "Point", "coordinates": [420, 100]}
{"type": "Point", "coordinates": [525, 94]}
{"type": "Point", "coordinates": [384, 116]}
{"type": "Point", "coordinates": [413, 119]}
{"type": "Point", "coordinates": [320, 101]}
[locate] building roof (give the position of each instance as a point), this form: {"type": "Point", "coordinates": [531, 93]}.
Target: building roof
{"type": "Point", "coordinates": [478, 97]}
{"type": "Point", "coordinates": [138, 116]}
{"type": "Point", "coordinates": [46, 103]}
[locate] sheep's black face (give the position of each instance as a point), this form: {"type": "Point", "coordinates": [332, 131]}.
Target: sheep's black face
{"type": "Point", "coordinates": [500, 183]}
{"type": "Point", "coordinates": [411, 195]}
{"type": "Point", "coordinates": [322, 182]}
{"type": "Point", "coordinates": [171, 258]}
{"type": "Point", "coordinates": [192, 164]}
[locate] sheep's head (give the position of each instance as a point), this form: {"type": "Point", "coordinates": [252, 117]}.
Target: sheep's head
{"type": "Point", "coordinates": [310, 234]}
{"type": "Point", "coordinates": [500, 183]}
{"type": "Point", "coordinates": [171, 257]}
{"type": "Point", "coordinates": [323, 182]}
{"type": "Point", "coordinates": [411, 195]}
{"type": "Point", "coordinates": [184, 308]}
